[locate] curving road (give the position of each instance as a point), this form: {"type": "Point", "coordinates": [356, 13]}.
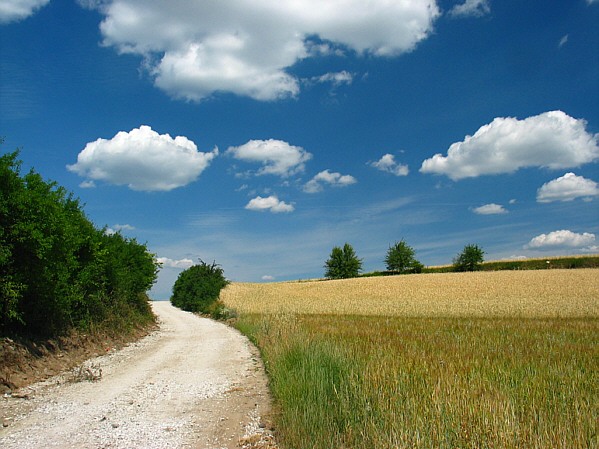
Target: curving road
{"type": "Point", "coordinates": [194, 383]}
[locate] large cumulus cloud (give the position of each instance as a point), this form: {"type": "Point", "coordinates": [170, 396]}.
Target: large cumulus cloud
{"type": "Point", "coordinates": [553, 140]}
{"type": "Point", "coordinates": [143, 160]}
{"type": "Point", "coordinates": [195, 48]}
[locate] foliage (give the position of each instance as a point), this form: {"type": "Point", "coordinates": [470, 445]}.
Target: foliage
{"type": "Point", "coordinates": [469, 259]}
{"type": "Point", "coordinates": [342, 263]}
{"type": "Point", "coordinates": [198, 287]}
{"type": "Point", "coordinates": [57, 271]}
{"type": "Point", "coordinates": [400, 259]}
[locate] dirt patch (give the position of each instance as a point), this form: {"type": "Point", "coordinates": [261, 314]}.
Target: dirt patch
{"type": "Point", "coordinates": [24, 362]}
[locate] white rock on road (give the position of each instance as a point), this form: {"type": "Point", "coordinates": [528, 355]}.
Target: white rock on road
{"type": "Point", "coordinates": [194, 383]}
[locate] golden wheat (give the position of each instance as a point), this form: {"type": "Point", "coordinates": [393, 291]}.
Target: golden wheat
{"type": "Point", "coordinates": [534, 294]}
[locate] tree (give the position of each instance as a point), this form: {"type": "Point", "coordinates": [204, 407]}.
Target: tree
{"type": "Point", "coordinates": [198, 287]}
{"type": "Point", "coordinates": [400, 259]}
{"type": "Point", "coordinates": [342, 263]}
{"type": "Point", "coordinates": [469, 259]}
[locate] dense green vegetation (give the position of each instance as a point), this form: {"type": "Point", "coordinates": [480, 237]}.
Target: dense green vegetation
{"type": "Point", "coordinates": [57, 271]}
{"type": "Point", "coordinates": [198, 287]}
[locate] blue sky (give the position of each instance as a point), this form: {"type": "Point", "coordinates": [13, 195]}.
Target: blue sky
{"type": "Point", "coordinates": [260, 134]}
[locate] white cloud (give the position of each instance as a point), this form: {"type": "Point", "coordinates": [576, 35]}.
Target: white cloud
{"type": "Point", "coordinates": [474, 8]}
{"type": "Point", "coordinates": [143, 160]}
{"type": "Point", "coordinates": [561, 239]}
{"type": "Point", "coordinates": [590, 2]}
{"type": "Point", "coordinates": [268, 277]}
{"type": "Point", "coordinates": [182, 264]}
{"type": "Point", "coordinates": [194, 49]}
{"type": "Point", "coordinates": [277, 157]}
{"type": "Point", "coordinates": [563, 41]}
{"type": "Point", "coordinates": [388, 164]}
{"type": "Point", "coordinates": [13, 10]}
{"type": "Point", "coordinates": [490, 209]}
{"type": "Point", "coordinates": [271, 203]}
{"type": "Point", "coordinates": [117, 228]}
{"type": "Point", "coordinates": [326, 177]}
{"type": "Point", "coordinates": [335, 78]}
{"type": "Point", "coordinates": [553, 140]}
{"type": "Point", "coordinates": [567, 188]}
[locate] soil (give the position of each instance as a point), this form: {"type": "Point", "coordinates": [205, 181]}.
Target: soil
{"type": "Point", "coordinates": [191, 383]}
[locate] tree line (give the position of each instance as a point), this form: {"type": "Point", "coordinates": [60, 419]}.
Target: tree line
{"type": "Point", "coordinates": [343, 262]}
{"type": "Point", "coordinates": [57, 270]}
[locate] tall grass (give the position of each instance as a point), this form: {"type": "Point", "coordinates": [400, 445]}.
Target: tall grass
{"type": "Point", "coordinates": [374, 382]}
{"type": "Point", "coordinates": [434, 376]}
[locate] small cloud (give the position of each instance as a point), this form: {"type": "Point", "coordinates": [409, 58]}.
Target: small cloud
{"type": "Point", "coordinates": [268, 277]}
{"type": "Point", "coordinates": [335, 78]}
{"type": "Point", "coordinates": [276, 156]}
{"type": "Point", "coordinates": [326, 177]}
{"type": "Point", "coordinates": [182, 264]}
{"type": "Point", "coordinates": [388, 164]}
{"type": "Point", "coordinates": [87, 184]}
{"type": "Point", "coordinates": [143, 160]}
{"type": "Point", "coordinates": [271, 203]}
{"type": "Point", "coordinates": [471, 8]}
{"type": "Point", "coordinates": [516, 257]}
{"type": "Point", "coordinates": [124, 227]}
{"type": "Point", "coordinates": [513, 201]}
{"type": "Point", "coordinates": [567, 188]}
{"type": "Point", "coordinates": [490, 209]}
{"type": "Point", "coordinates": [561, 239]}
{"type": "Point", "coordinates": [563, 41]}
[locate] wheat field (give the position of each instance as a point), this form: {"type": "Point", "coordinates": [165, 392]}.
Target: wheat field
{"type": "Point", "coordinates": [527, 294]}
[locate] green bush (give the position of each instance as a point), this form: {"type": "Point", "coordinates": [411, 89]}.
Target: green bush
{"type": "Point", "coordinates": [198, 287]}
{"type": "Point", "coordinates": [57, 271]}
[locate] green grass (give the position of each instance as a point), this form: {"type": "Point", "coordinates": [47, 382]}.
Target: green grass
{"type": "Point", "coordinates": [344, 381]}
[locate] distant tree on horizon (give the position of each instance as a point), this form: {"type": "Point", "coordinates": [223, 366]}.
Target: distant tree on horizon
{"type": "Point", "coordinates": [342, 263]}
{"type": "Point", "coordinates": [469, 259]}
{"type": "Point", "coordinates": [400, 259]}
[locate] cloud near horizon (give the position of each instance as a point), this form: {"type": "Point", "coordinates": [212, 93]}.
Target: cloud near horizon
{"type": "Point", "coordinates": [561, 239]}
{"type": "Point", "coordinates": [567, 188]}
{"type": "Point", "coordinates": [181, 264]}
{"type": "Point", "coordinates": [195, 49]}
{"type": "Point", "coordinates": [551, 140]}
{"type": "Point", "coordinates": [143, 160]}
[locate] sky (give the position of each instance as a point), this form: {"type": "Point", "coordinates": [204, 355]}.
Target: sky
{"type": "Point", "coordinates": [260, 134]}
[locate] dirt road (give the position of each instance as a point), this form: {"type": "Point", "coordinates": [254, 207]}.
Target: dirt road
{"type": "Point", "coordinates": [194, 383]}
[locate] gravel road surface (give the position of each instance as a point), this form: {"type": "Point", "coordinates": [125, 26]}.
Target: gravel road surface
{"type": "Point", "coordinates": [194, 383]}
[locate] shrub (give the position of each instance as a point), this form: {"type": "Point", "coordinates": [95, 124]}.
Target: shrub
{"type": "Point", "coordinates": [400, 259]}
{"type": "Point", "coordinates": [198, 287]}
{"type": "Point", "coordinates": [57, 271]}
{"type": "Point", "coordinates": [469, 259]}
{"type": "Point", "coordinates": [342, 263]}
